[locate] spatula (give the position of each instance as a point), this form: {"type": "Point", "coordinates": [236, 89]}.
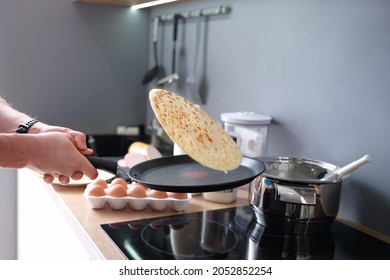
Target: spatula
{"type": "Point", "coordinates": [341, 172]}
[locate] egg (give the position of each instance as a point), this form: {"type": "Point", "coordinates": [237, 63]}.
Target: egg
{"type": "Point", "coordinates": [158, 194]}
{"type": "Point", "coordinates": [116, 191]}
{"type": "Point", "coordinates": [100, 182]}
{"type": "Point", "coordinates": [136, 190]}
{"type": "Point", "coordinates": [178, 195]}
{"type": "Point", "coordinates": [95, 190]}
{"type": "Point", "coordinates": [119, 181]}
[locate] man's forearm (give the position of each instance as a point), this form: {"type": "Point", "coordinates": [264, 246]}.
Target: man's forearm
{"type": "Point", "coordinates": [14, 150]}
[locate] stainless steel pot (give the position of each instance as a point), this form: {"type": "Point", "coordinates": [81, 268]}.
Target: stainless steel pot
{"type": "Point", "coordinates": [293, 197]}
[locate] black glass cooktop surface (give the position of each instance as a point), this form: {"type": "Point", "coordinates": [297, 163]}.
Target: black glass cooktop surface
{"type": "Point", "coordinates": [233, 234]}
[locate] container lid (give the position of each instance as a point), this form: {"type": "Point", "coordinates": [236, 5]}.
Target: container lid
{"type": "Point", "coordinates": [248, 118]}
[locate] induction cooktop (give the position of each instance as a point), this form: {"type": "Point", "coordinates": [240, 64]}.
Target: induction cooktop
{"type": "Point", "coordinates": [233, 234]}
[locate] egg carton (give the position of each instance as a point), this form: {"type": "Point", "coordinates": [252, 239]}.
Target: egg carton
{"type": "Point", "coordinates": [119, 203]}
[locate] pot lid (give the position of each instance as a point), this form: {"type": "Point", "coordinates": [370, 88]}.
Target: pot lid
{"type": "Point", "coordinates": [246, 118]}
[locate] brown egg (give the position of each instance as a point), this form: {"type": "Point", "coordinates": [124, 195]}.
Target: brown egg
{"type": "Point", "coordinates": [136, 190]}
{"type": "Point", "coordinates": [158, 194]}
{"type": "Point", "coordinates": [116, 191]}
{"type": "Point", "coordinates": [95, 190]}
{"type": "Point", "coordinates": [178, 195]}
{"type": "Point", "coordinates": [100, 182]}
{"type": "Point", "coordinates": [119, 181]}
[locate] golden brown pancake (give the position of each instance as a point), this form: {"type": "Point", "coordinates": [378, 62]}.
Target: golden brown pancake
{"type": "Point", "coordinates": [195, 132]}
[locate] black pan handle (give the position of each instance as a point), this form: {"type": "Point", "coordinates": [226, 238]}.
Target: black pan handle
{"type": "Point", "coordinates": [106, 164]}
{"type": "Point", "coordinates": [110, 165]}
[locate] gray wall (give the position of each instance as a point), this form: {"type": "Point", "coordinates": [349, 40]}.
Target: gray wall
{"type": "Point", "coordinates": [320, 68]}
{"type": "Point", "coordinates": [73, 64]}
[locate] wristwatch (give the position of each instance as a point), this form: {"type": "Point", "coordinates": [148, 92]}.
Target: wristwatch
{"type": "Point", "coordinates": [24, 127]}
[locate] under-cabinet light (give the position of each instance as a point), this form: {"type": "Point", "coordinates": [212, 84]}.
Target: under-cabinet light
{"type": "Point", "coordinates": [150, 4]}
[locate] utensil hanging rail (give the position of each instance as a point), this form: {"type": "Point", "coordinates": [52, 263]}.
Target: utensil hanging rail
{"type": "Point", "coordinates": [220, 10]}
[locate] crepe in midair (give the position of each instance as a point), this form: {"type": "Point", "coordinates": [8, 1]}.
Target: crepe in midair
{"type": "Point", "coordinates": [194, 131]}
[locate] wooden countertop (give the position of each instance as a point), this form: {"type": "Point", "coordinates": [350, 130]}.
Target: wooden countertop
{"type": "Point", "coordinates": [86, 221]}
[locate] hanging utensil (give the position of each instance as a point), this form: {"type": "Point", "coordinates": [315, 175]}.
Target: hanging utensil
{"type": "Point", "coordinates": [152, 73]}
{"type": "Point", "coordinates": [191, 81]}
{"type": "Point", "coordinates": [173, 76]}
{"type": "Point", "coordinates": [169, 79]}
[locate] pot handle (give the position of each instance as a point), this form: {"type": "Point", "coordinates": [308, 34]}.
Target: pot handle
{"type": "Point", "coordinates": [305, 196]}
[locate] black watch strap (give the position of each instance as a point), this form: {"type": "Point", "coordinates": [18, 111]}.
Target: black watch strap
{"type": "Point", "coordinates": [24, 127]}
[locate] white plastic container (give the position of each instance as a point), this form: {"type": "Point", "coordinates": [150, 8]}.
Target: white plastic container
{"type": "Point", "coordinates": [251, 131]}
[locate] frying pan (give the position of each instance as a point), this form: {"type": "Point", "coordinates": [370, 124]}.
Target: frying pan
{"type": "Point", "coordinates": [182, 174]}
